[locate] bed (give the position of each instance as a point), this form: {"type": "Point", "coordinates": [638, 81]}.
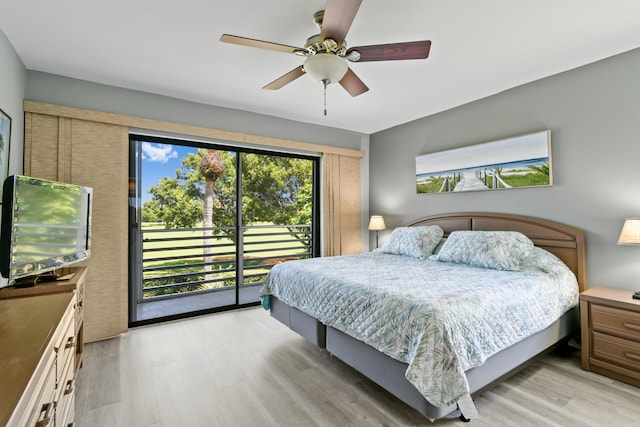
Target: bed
{"type": "Point", "coordinates": [438, 376]}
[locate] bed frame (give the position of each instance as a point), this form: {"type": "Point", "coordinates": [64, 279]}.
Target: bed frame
{"type": "Point", "coordinates": [567, 243]}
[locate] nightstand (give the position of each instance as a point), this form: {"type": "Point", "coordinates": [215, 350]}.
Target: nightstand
{"type": "Point", "coordinates": [610, 322]}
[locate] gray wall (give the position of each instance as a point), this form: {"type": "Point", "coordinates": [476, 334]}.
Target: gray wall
{"type": "Point", "coordinates": [593, 113]}
{"type": "Point", "coordinates": [12, 82]}
{"type": "Point", "coordinates": [12, 86]}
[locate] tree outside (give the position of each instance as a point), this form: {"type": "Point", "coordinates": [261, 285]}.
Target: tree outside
{"type": "Point", "coordinates": [276, 190]}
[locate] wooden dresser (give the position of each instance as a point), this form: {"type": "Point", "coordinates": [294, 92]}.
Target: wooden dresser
{"type": "Point", "coordinates": [610, 321]}
{"type": "Point", "coordinates": [40, 352]}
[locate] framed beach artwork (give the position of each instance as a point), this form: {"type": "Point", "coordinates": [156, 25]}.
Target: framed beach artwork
{"type": "Point", "coordinates": [5, 140]}
{"type": "Point", "coordinates": [520, 161]}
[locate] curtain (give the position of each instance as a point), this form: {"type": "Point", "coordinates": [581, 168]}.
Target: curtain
{"type": "Point", "coordinates": [96, 155]}
{"type": "Point", "coordinates": [342, 219]}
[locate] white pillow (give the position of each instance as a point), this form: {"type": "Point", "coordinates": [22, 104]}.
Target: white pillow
{"type": "Point", "coordinates": [417, 242]}
{"type": "Point", "coordinates": [498, 250]}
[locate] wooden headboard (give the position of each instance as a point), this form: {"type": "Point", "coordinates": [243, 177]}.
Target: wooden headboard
{"type": "Point", "coordinates": [567, 243]}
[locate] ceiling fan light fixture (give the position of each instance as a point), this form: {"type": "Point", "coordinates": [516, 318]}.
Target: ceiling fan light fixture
{"type": "Point", "coordinates": [325, 67]}
{"type": "Point", "coordinates": [353, 56]}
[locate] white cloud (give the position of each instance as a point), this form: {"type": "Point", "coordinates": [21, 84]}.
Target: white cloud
{"type": "Point", "coordinates": [160, 153]}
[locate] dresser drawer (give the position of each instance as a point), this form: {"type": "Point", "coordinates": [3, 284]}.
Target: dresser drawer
{"type": "Point", "coordinates": [65, 342]}
{"type": "Point", "coordinates": [615, 321]}
{"type": "Point", "coordinates": [616, 350]}
{"type": "Point", "coordinates": [66, 349]}
{"type": "Point", "coordinates": [65, 403]}
{"type": "Point", "coordinates": [41, 410]}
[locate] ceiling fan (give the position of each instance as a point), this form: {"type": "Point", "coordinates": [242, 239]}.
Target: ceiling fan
{"type": "Point", "coordinates": [327, 53]}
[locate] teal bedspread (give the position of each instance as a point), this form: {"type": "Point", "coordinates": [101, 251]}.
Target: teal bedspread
{"type": "Point", "coordinates": [441, 319]}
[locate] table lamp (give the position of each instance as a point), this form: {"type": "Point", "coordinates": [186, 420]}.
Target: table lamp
{"type": "Point", "coordinates": [630, 235]}
{"type": "Point", "coordinates": [376, 223]}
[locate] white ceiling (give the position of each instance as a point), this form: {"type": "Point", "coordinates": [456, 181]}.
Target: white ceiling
{"type": "Point", "coordinates": [172, 47]}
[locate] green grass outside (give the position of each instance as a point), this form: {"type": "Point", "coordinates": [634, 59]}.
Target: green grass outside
{"type": "Point", "coordinates": [271, 244]}
{"type": "Point", "coordinates": [196, 239]}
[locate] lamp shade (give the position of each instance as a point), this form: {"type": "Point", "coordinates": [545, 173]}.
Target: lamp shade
{"type": "Point", "coordinates": [377, 223]}
{"type": "Point", "coordinates": [325, 67]}
{"type": "Point", "coordinates": [630, 234]}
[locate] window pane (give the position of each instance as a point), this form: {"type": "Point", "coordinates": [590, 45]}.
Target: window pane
{"type": "Point", "coordinates": [277, 212]}
{"type": "Point", "coordinates": [188, 219]}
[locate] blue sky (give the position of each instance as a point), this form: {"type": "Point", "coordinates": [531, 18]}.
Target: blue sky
{"type": "Point", "coordinates": [159, 161]}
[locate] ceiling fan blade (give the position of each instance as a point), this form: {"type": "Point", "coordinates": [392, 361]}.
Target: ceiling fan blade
{"type": "Point", "coordinates": [353, 84]}
{"type": "Point", "coordinates": [390, 52]}
{"type": "Point", "coordinates": [286, 79]}
{"type": "Point", "coordinates": [338, 17]}
{"type": "Point", "coordinates": [244, 41]}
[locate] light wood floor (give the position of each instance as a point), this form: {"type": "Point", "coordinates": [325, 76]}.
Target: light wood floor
{"type": "Point", "coordinates": [243, 368]}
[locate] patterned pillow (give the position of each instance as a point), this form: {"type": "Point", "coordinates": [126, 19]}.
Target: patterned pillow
{"type": "Point", "coordinates": [546, 262]}
{"type": "Point", "coordinates": [498, 250]}
{"type": "Point", "coordinates": [417, 242]}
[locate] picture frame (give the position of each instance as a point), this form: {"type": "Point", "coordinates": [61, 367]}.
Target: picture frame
{"type": "Point", "coordinates": [5, 143]}
{"type": "Point", "coordinates": [516, 162]}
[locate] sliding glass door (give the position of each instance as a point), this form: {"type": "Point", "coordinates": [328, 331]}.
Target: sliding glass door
{"type": "Point", "coordinates": [208, 221]}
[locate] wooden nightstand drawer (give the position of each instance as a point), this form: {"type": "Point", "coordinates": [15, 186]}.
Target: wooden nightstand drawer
{"type": "Point", "coordinates": [617, 350]}
{"type": "Point", "coordinates": [615, 321]}
{"type": "Point", "coordinates": [610, 322]}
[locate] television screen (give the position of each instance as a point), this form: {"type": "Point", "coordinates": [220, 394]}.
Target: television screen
{"type": "Point", "coordinates": [45, 225]}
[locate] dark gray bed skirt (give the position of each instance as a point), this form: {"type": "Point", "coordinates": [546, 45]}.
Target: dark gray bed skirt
{"type": "Point", "coordinates": [302, 323]}
{"type": "Point", "coordinates": [389, 373]}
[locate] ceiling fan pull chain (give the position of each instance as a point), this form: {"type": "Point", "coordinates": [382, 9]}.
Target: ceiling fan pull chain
{"type": "Point", "coordinates": [325, 82]}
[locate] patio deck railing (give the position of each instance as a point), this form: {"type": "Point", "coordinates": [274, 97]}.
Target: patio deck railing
{"type": "Point", "coordinates": [174, 262]}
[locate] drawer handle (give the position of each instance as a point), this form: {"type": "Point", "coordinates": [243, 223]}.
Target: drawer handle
{"type": "Point", "coordinates": [47, 409]}
{"type": "Point", "coordinates": [632, 326]}
{"type": "Point", "coordinates": [69, 387]}
{"type": "Point", "coordinates": [69, 343]}
{"type": "Point", "coordinates": [632, 356]}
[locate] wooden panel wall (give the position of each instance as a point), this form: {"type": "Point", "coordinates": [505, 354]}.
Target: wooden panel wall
{"type": "Point", "coordinates": [92, 154]}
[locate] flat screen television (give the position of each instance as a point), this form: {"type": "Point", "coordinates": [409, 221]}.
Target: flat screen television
{"type": "Point", "coordinates": [46, 225]}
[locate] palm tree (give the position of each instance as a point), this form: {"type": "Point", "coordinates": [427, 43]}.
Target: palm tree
{"type": "Point", "coordinates": [543, 168]}
{"type": "Point", "coordinates": [211, 168]}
